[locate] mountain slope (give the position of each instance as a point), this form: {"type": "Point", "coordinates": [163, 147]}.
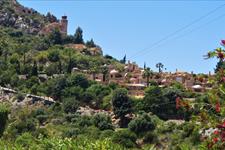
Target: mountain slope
{"type": "Point", "coordinates": [12, 14]}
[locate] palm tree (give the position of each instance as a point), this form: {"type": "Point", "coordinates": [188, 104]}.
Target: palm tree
{"type": "Point", "coordinates": [160, 66]}
{"type": "Point", "coordinates": [147, 74]}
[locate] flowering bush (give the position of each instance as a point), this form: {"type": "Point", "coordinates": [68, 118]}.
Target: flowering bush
{"type": "Point", "coordinates": [215, 136]}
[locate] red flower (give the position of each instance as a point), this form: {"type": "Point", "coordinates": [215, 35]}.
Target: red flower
{"type": "Point", "coordinates": [177, 102]}
{"type": "Point", "coordinates": [223, 135]}
{"type": "Point", "coordinates": [223, 42]}
{"type": "Point", "coordinates": [223, 79]}
{"type": "Point", "coordinates": [216, 132]}
{"type": "Point", "coordinates": [221, 125]}
{"type": "Point", "coordinates": [215, 139]}
{"type": "Point", "coordinates": [217, 107]}
{"type": "Point", "coordinates": [220, 55]}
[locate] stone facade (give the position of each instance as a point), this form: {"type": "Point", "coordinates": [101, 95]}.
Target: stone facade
{"type": "Point", "coordinates": [61, 26]}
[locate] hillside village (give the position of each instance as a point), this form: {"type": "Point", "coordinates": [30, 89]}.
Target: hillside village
{"type": "Point", "coordinates": [131, 76]}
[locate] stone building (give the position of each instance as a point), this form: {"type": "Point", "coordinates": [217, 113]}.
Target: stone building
{"type": "Point", "coordinates": [62, 26]}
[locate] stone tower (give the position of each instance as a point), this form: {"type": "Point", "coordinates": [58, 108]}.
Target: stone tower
{"type": "Point", "coordinates": [64, 25]}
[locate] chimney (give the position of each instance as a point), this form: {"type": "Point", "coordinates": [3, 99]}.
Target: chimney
{"type": "Point", "coordinates": [64, 25]}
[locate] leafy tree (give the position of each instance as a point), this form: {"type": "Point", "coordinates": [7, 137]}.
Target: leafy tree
{"type": "Point", "coordinates": [153, 94]}
{"type": "Point", "coordinates": [70, 105]}
{"type": "Point", "coordinates": [121, 104]}
{"type": "Point", "coordinates": [147, 74]}
{"type": "Point", "coordinates": [68, 39]}
{"type": "Point", "coordinates": [34, 71]}
{"type": "Point", "coordinates": [3, 118]}
{"type": "Point", "coordinates": [99, 90]}
{"type": "Point", "coordinates": [94, 69]}
{"type": "Point", "coordinates": [51, 18]}
{"type": "Point", "coordinates": [51, 69]}
{"type": "Point", "coordinates": [163, 103]}
{"type": "Point", "coordinates": [74, 91]}
{"type": "Point", "coordinates": [90, 43]}
{"type": "Point", "coordinates": [102, 121]}
{"type": "Point", "coordinates": [5, 78]}
{"type": "Point", "coordinates": [78, 36]}
{"type": "Point", "coordinates": [77, 80]}
{"type": "Point", "coordinates": [53, 56]}
{"type": "Point", "coordinates": [23, 49]}
{"type": "Point", "coordinates": [104, 71]}
{"type": "Point", "coordinates": [108, 57]}
{"type": "Point", "coordinates": [55, 88]}
{"type": "Point", "coordinates": [55, 37]}
{"type": "Point", "coordinates": [125, 138]}
{"type": "Point", "coordinates": [33, 80]}
{"type": "Point", "coordinates": [71, 63]}
{"type": "Point", "coordinates": [88, 97]}
{"type": "Point", "coordinates": [4, 49]}
{"type": "Point", "coordinates": [60, 67]}
{"type": "Point", "coordinates": [141, 124]}
{"type": "Point", "coordinates": [160, 66]}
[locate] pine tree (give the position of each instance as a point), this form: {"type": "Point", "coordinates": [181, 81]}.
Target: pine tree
{"type": "Point", "coordinates": [123, 61]}
{"type": "Point", "coordinates": [90, 43]}
{"type": "Point", "coordinates": [34, 71]}
{"type": "Point", "coordinates": [78, 36]}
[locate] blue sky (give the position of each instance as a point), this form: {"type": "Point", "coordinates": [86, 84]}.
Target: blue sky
{"type": "Point", "coordinates": [128, 27]}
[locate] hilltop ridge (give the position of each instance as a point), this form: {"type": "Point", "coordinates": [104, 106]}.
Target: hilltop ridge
{"type": "Point", "coordinates": [13, 14]}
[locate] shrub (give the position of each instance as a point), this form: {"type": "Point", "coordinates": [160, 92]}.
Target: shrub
{"type": "Point", "coordinates": [125, 138]}
{"type": "Point", "coordinates": [58, 121]}
{"type": "Point", "coordinates": [77, 80]}
{"type": "Point", "coordinates": [39, 111]}
{"type": "Point", "coordinates": [106, 134]}
{"type": "Point", "coordinates": [70, 117]}
{"type": "Point", "coordinates": [21, 126]}
{"type": "Point", "coordinates": [106, 104]}
{"type": "Point", "coordinates": [141, 124]}
{"type": "Point", "coordinates": [70, 105]}
{"type": "Point", "coordinates": [102, 121]}
{"type": "Point", "coordinates": [92, 132]}
{"type": "Point", "coordinates": [71, 133]}
{"type": "Point", "coordinates": [43, 132]}
{"type": "Point", "coordinates": [25, 140]}
{"type": "Point", "coordinates": [87, 97]}
{"type": "Point", "coordinates": [3, 118]}
{"type": "Point", "coordinates": [42, 118]}
{"type": "Point", "coordinates": [20, 97]}
{"type": "Point", "coordinates": [83, 121]}
{"type": "Point", "coordinates": [150, 137]}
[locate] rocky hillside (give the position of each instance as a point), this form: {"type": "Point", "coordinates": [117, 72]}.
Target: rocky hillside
{"type": "Point", "coordinates": [12, 14]}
